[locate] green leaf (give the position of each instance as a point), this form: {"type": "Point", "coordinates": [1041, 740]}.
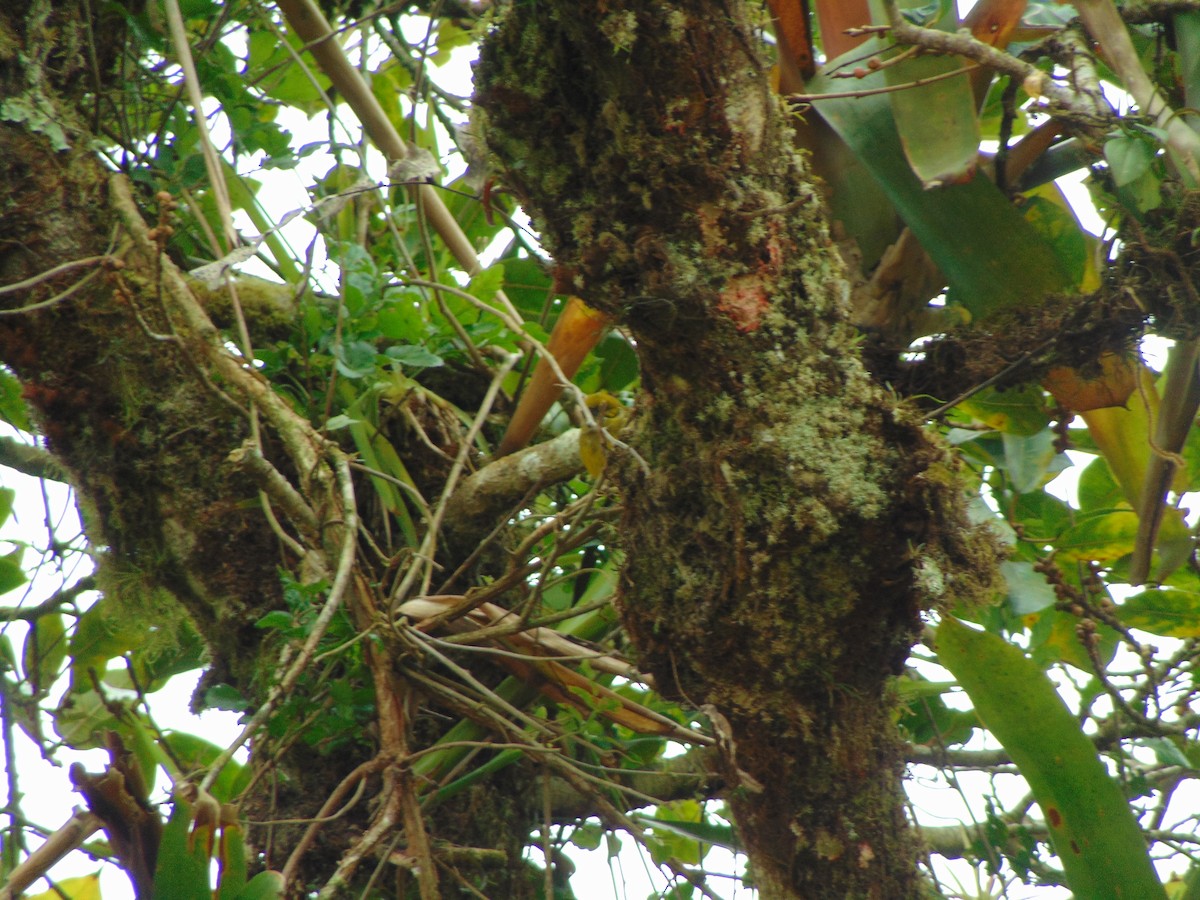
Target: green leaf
{"type": "Point", "coordinates": [683, 831]}
{"type": "Point", "coordinates": [1097, 489]}
{"type": "Point", "coordinates": [1011, 412]}
{"type": "Point", "coordinates": [1101, 537]}
{"type": "Point", "coordinates": [355, 359]}
{"type": "Point", "coordinates": [226, 697]}
{"type": "Point", "coordinates": [1129, 158]}
{"type": "Point", "coordinates": [12, 403]}
{"type": "Point", "coordinates": [12, 574]}
{"type": "Point", "coordinates": [379, 455]}
{"type": "Point", "coordinates": [1094, 832]}
{"type": "Point", "coordinates": [1164, 611]}
{"type": "Point", "coordinates": [276, 618]}
{"type": "Point", "coordinates": [401, 317]}
{"type": "Point", "coordinates": [1030, 460]}
{"type": "Point", "coordinates": [528, 285]}
{"type": "Point", "coordinates": [1028, 591]}
{"type": "Point", "coordinates": [1047, 210]}
{"type": "Point", "coordinates": [182, 870]}
{"type": "Point", "coordinates": [44, 651]}
{"type": "Point", "coordinates": [195, 754]}
{"type": "Point", "coordinates": [485, 285]}
{"type": "Point", "coordinates": [82, 719]}
{"type": "Point", "coordinates": [1167, 752]}
{"type": "Point", "coordinates": [587, 836]}
{"type": "Point", "coordinates": [413, 355]}
{"type": "Point", "coordinates": [1042, 516]}
{"type": "Point", "coordinates": [232, 854]}
{"type": "Point", "coordinates": [100, 635]}
{"type": "Point", "coordinates": [1054, 638]}
{"type": "Point", "coordinates": [937, 122]}
{"type": "Point", "coordinates": [263, 886]}
{"type": "Point", "coordinates": [991, 256]}
{"type": "Point", "coordinates": [926, 719]}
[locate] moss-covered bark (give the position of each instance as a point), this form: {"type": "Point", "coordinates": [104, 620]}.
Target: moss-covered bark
{"type": "Point", "coordinates": [144, 426]}
{"type": "Point", "coordinates": [793, 522]}
{"type": "Point", "coordinates": [121, 404]}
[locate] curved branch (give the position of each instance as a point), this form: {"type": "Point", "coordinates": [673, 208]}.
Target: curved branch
{"type": "Point", "coordinates": [492, 490]}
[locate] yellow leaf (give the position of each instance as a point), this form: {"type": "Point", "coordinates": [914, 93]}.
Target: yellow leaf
{"type": "Point", "coordinates": [85, 887]}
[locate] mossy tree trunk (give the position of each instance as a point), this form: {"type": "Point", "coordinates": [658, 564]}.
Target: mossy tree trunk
{"type": "Point", "coordinates": [126, 396]}
{"type": "Point", "coordinates": [117, 391]}
{"type": "Point", "coordinates": [792, 521]}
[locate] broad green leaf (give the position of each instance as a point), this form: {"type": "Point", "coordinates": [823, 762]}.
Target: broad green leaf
{"type": "Point", "coordinates": [82, 720]}
{"type": "Point", "coordinates": [1164, 611]}
{"type": "Point", "coordinates": [1097, 489]}
{"type": "Point", "coordinates": [1042, 516]}
{"type": "Point", "coordinates": [401, 317]}
{"type": "Point", "coordinates": [1099, 537]}
{"type": "Point", "coordinates": [355, 359]}
{"type": "Point", "coordinates": [196, 754]}
{"type": "Point", "coordinates": [1054, 638]}
{"type": "Point", "coordinates": [182, 871]}
{"type": "Point", "coordinates": [1094, 833]}
{"type": "Point", "coordinates": [389, 83]}
{"type": "Point", "coordinates": [232, 856]}
{"type": "Point", "coordinates": [1167, 752]}
{"type": "Point", "coordinates": [1028, 591]}
{"type": "Point", "coordinates": [587, 836]}
{"type": "Point", "coordinates": [937, 122]}
{"type": "Point", "coordinates": [531, 289]}
{"type": "Point", "coordinates": [618, 363]}
{"type": "Point", "coordinates": [672, 837]}
{"type": "Point", "coordinates": [925, 718]}
{"type": "Point", "coordinates": [992, 257]}
{"type": "Point", "coordinates": [414, 356]}
{"type": "Point", "coordinates": [154, 664]}
{"type": "Point", "coordinates": [1122, 436]}
{"type": "Point", "coordinates": [1031, 460]}
{"type": "Point", "coordinates": [1048, 211]}
{"type": "Point", "coordinates": [1129, 158]}
{"type": "Point", "coordinates": [1020, 411]}
{"type": "Point", "coordinates": [486, 283]}
{"type": "Point", "coordinates": [140, 739]}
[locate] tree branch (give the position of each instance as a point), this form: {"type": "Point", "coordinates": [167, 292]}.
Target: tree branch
{"type": "Point", "coordinates": [30, 459]}
{"type": "Point", "coordinates": [500, 484]}
{"type": "Point", "coordinates": [1079, 109]}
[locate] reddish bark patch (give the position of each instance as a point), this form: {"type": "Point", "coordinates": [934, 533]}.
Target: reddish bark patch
{"type": "Point", "coordinates": [744, 301]}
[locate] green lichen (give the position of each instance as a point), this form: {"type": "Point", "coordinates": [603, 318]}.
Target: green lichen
{"type": "Point", "coordinates": [621, 29]}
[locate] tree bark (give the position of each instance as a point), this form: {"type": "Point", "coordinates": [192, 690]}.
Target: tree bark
{"type": "Point", "coordinates": [792, 520]}
{"type": "Point", "coordinates": [118, 394]}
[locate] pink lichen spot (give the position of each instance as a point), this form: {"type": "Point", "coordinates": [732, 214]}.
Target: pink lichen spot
{"type": "Point", "coordinates": [744, 301]}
